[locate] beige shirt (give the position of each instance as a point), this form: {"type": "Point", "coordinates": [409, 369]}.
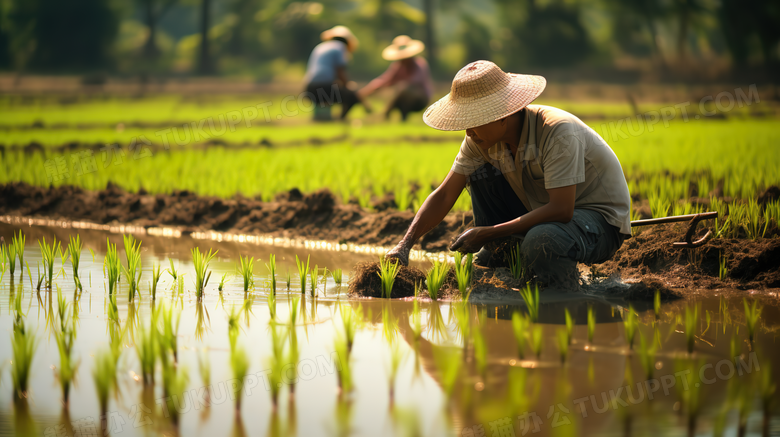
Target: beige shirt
{"type": "Point", "coordinates": [557, 150]}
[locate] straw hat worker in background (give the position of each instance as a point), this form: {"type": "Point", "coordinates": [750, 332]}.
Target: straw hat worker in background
{"type": "Point", "coordinates": [538, 177]}
{"type": "Point", "coordinates": [409, 74]}
{"type": "Point", "coordinates": [326, 73]}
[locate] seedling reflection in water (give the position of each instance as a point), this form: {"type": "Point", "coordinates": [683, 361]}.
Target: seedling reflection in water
{"type": "Point", "coordinates": [647, 356]}
{"type": "Point", "coordinates": [104, 373]}
{"type": "Point", "coordinates": [563, 344]}
{"type": "Point", "coordinates": [23, 344]}
{"type": "Point", "coordinates": [752, 313]}
{"type": "Point", "coordinates": [344, 368]}
{"type": "Point", "coordinates": [397, 356]}
{"type": "Point", "coordinates": [435, 278]}
{"type": "Point", "coordinates": [629, 324]}
{"type": "Point", "coordinates": [520, 326]}
{"type": "Point", "coordinates": [691, 320]}
{"type": "Point", "coordinates": [388, 270]}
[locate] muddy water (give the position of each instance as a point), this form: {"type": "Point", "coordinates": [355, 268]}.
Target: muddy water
{"type": "Point", "coordinates": [602, 387]}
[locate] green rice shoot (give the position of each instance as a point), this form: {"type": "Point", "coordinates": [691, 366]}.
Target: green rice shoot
{"type": "Point", "coordinates": [303, 270]}
{"type": "Point", "coordinates": [630, 325]}
{"type": "Point", "coordinates": [530, 295]}
{"type": "Point", "coordinates": [591, 324]}
{"type": "Point", "coordinates": [133, 269]}
{"type": "Point", "coordinates": [48, 253]}
{"type": "Point", "coordinates": [464, 272]}
{"type": "Point", "coordinates": [388, 270]}
{"type": "Point", "coordinates": [202, 272]}
{"type": "Point", "coordinates": [752, 314]}
{"type": "Point", "coordinates": [74, 248]}
{"type": "Point", "coordinates": [517, 263]}
{"type": "Point", "coordinates": [435, 278]}
{"type": "Point", "coordinates": [271, 266]}
{"type": "Point", "coordinates": [245, 270]}
{"type": "Point", "coordinates": [520, 325]}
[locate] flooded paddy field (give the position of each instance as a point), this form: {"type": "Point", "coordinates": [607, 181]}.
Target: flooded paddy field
{"type": "Point", "coordinates": [583, 363]}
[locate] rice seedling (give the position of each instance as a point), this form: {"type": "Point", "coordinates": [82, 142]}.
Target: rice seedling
{"type": "Point", "coordinates": [448, 363]}
{"type": "Point", "coordinates": [112, 266]}
{"type": "Point", "coordinates": [337, 276]}
{"type": "Point", "coordinates": [68, 365]}
{"type": "Point", "coordinates": [74, 248]}
{"type": "Point", "coordinates": [245, 269]}
{"type": "Point", "coordinates": [314, 278]}
{"type": "Point", "coordinates": [4, 262]}
{"type": "Point", "coordinates": [723, 270]}
{"type": "Point", "coordinates": [156, 273]}
{"type": "Point", "coordinates": [752, 313]}
{"type": "Point", "coordinates": [271, 266]}
{"type": "Point", "coordinates": [104, 374]}
{"type": "Point", "coordinates": [180, 285]}
{"type": "Point", "coordinates": [591, 324]}
{"type": "Point", "coordinates": [531, 298]}
{"type": "Point", "coordinates": [29, 275]}
{"type": "Point", "coordinates": [48, 251]}
{"type": "Point", "coordinates": [222, 282]}
{"type": "Point", "coordinates": [271, 300]}
{"type": "Point", "coordinates": [516, 263]}
{"type": "Point", "coordinates": [10, 255]}
{"type": "Point", "coordinates": [464, 271]}
{"type": "Point", "coordinates": [23, 344]}
{"type": "Point", "coordinates": [647, 356]}
{"type": "Point", "coordinates": [303, 270]}
{"type": "Point", "coordinates": [563, 344]}
{"type": "Point", "coordinates": [520, 325]}
{"type": "Point", "coordinates": [435, 278]}
{"type": "Point", "coordinates": [175, 379]}
{"type": "Point", "coordinates": [344, 368]}
{"type": "Point", "coordinates": [18, 243]}
{"type": "Point", "coordinates": [133, 270]}
{"type": "Point", "coordinates": [288, 280]}
{"type": "Point", "coordinates": [146, 347]}
{"type": "Point", "coordinates": [172, 271]}
{"type": "Point", "coordinates": [202, 273]}
{"type": "Point", "coordinates": [397, 356]}
{"type": "Point", "coordinates": [657, 304]}
{"type": "Point", "coordinates": [569, 325]}
{"type": "Point", "coordinates": [388, 270]}
{"type": "Point", "coordinates": [536, 340]}
{"type": "Point", "coordinates": [630, 325]}
{"type": "Point", "coordinates": [691, 320]}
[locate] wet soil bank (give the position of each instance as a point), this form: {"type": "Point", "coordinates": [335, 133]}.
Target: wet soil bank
{"type": "Point", "coordinates": [291, 215]}
{"type": "Point", "coordinates": [647, 258]}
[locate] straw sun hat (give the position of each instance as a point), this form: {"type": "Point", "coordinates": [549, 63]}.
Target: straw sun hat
{"type": "Point", "coordinates": [343, 32]}
{"type": "Point", "coordinates": [481, 93]}
{"type": "Point", "coordinates": [402, 47]}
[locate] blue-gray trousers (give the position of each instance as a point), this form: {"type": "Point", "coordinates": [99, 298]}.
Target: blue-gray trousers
{"type": "Point", "coordinates": [551, 250]}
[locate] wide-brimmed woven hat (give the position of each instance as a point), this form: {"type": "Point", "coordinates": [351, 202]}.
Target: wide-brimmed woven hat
{"type": "Point", "coordinates": [402, 47]}
{"type": "Point", "coordinates": [343, 32]}
{"type": "Point", "coordinates": [482, 93]}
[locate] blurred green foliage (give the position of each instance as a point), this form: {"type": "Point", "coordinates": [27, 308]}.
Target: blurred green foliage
{"type": "Point", "coordinates": [272, 39]}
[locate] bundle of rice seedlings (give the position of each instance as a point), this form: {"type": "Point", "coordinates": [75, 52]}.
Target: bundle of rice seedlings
{"type": "Point", "coordinates": [156, 273]}
{"type": "Point", "coordinates": [435, 278]}
{"type": "Point", "coordinates": [271, 266]}
{"type": "Point", "coordinates": [752, 313]}
{"type": "Point", "coordinates": [133, 270]}
{"type": "Point", "coordinates": [74, 248]}
{"type": "Point", "coordinates": [531, 297]}
{"type": "Point", "coordinates": [303, 270]}
{"type": "Point", "coordinates": [202, 273]}
{"type": "Point", "coordinates": [112, 266]}
{"type": "Point", "coordinates": [48, 252]}
{"type": "Point", "coordinates": [244, 269]}
{"type": "Point", "coordinates": [464, 271]}
{"type": "Point", "coordinates": [388, 270]}
{"type": "Point", "coordinates": [17, 245]}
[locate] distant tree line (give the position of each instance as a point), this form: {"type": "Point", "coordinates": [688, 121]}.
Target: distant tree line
{"type": "Point", "coordinates": [75, 36]}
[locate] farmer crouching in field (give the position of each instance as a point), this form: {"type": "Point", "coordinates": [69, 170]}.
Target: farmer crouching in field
{"type": "Point", "coordinates": [326, 74]}
{"type": "Point", "coordinates": [537, 175]}
{"type": "Point", "coordinates": [409, 73]}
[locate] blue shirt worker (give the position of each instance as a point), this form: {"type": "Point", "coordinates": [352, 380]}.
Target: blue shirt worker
{"type": "Point", "coordinates": [326, 74]}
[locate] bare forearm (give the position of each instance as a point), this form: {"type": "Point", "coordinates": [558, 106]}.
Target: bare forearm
{"type": "Point", "coordinates": [431, 213]}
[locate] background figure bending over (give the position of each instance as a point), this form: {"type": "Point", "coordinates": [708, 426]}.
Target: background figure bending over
{"type": "Point", "coordinates": [326, 75]}
{"type": "Point", "coordinates": [409, 73]}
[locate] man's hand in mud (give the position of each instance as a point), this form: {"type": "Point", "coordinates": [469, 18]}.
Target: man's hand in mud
{"type": "Point", "coordinates": [470, 241]}
{"type": "Point", "coordinates": [399, 252]}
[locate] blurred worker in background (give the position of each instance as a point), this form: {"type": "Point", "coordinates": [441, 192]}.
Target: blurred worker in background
{"type": "Point", "coordinates": [326, 74]}
{"type": "Point", "coordinates": [408, 72]}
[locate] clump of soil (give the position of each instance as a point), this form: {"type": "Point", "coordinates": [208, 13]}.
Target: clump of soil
{"type": "Point", "coordinates": [650, 256]}
{"type": "Point", "coordinates": [365, 282]}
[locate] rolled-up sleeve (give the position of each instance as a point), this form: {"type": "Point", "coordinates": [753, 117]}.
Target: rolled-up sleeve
{"type": "Point", "coordinates": [563, 160]}
{"type": "Point", "coordinates": [468, 159]}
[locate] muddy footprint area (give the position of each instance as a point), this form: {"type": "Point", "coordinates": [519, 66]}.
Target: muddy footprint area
{"type": "Point", "coordinates": [648, 257]}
